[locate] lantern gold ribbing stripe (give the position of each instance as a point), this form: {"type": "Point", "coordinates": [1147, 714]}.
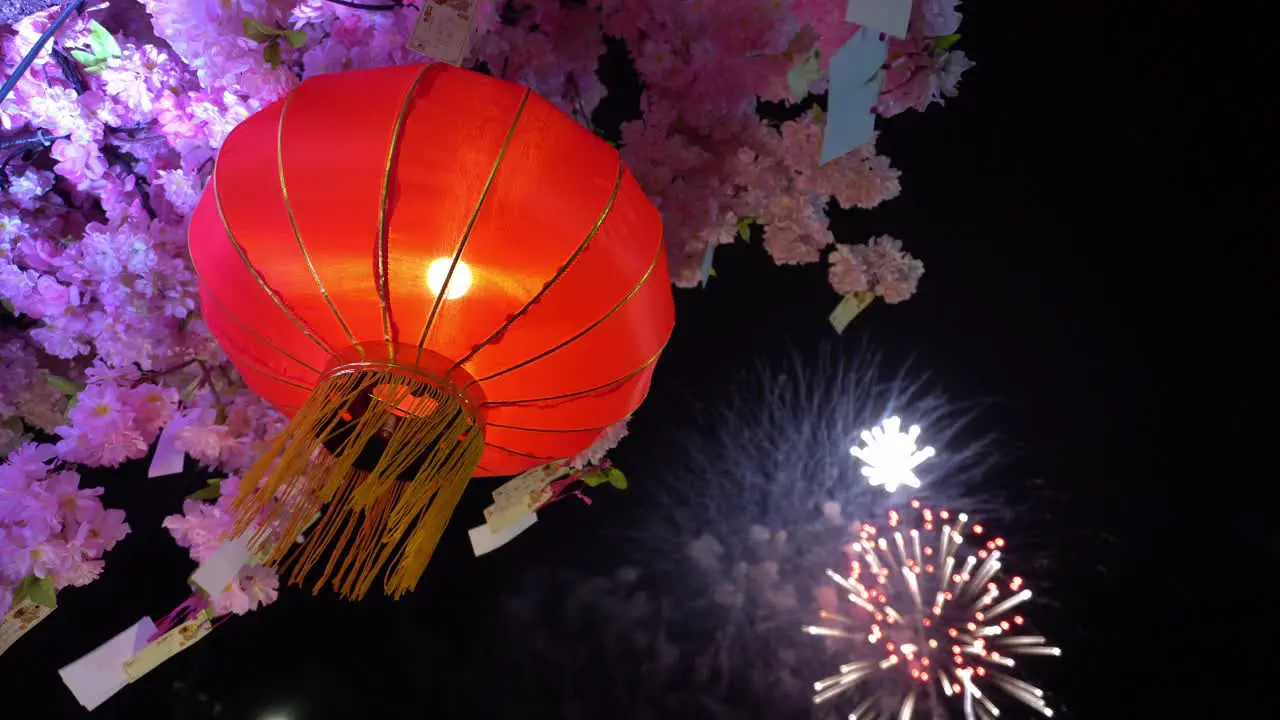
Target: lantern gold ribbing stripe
{"type": "Point", "coordinates": [466, 235]}
{"type": "Point", "coordinates": [293, 224]}
{"type": "Point", "coordinates": [257, 276]}
{"type": "Point", "coordinates": [384, 291]}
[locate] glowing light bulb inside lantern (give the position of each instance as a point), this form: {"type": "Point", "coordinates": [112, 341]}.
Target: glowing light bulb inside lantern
{"type": "Point", "coordinates": [438, 271]}
{"type": "Point", "coordinates": [890, 456]}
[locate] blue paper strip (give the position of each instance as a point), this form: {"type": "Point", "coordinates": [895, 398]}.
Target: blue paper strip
{"type": "Point", "coordinates": [855, 86]}
{"type": "Point", "coordinates": [887, 16]}
{"type": "Point", "coordinates": [704, 273]}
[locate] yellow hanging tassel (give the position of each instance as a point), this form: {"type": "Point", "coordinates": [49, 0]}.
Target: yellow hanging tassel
{"type": "Point", "coordinates": [389, 451]}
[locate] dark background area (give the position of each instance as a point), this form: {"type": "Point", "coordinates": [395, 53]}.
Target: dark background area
{"type": "Point", "coordinates": [1084, 272]}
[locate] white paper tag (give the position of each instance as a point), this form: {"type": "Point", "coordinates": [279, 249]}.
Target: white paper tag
{"type": "Point", "coordinates": [166, 646]}
{"type": "Point", "coordinates": [890, 17]}
{"type": "Point", "coordinates": [219, 571]}
{"type": "Point", "coordinates": [94, 678]}
{"type": "Point", "coordinates": [168, 459]}
{"type": "Point", "coordinates": [21, 618]}
{"type": "Point", "coordinates": [443, 30]}
{"type": "Point", "coordinates": [521, 495]}
{"type": "Point", "coordinates": [485, 540]}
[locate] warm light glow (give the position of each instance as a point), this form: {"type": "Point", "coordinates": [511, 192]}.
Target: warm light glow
{"type": "Point", "coordinates": [459, 284]}
{"type": "Point", "coordinates": [890, 456]}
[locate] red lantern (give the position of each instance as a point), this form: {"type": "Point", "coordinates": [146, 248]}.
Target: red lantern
{"type": "Point", "coordinates": [435, 274]}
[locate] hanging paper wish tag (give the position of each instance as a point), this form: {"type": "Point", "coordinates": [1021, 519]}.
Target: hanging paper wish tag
{"type": "Point", "coordinates": [804, 74]}
{"type": "Point", "coordinates": [511, 507]}
{"type": "Point", "coordinates": [499, 515]}
{"type": "Point", "coordinates": [707, 270]}
{"type": "Point", "coordinates": [485, 539]}
{"type": "Point", "coordinates": [887, 16]}
{"type": "Point", "coordinates": [531, 483]}
{"type": "Point", "coordinates": [21, 618]}
{"type": "Point", "coordinates": [219, 571]}
{"type": "Point", "coordinates": [169, 458]}
{"type": "Point", "coordinates": [855, 88]}
{"type": "Point", "coordinates": [443, 30]}
{"type": "Point", "coordinates": [168, 645]}
{"type": "Point", "coordinates": [94, 678]}
{"type": "Point", "coordinates": [848, 309]}
{"type": "Point", "coordinates": [521, 495]}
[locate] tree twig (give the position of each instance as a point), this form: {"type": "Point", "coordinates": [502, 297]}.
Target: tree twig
{"type": "Point", "coordinates": [366, 6]}
{"type": "Point", "coordinates": [31, 55]}
{"type": "Point", "coordinates": [69, 71]}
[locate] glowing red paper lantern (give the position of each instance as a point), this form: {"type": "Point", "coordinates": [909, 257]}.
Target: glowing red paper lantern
{"type": "Point", "coordinates": [435, 274]}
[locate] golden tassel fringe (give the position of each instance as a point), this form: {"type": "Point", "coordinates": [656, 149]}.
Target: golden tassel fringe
{"type": "Point", "coordinates": [392, 513]}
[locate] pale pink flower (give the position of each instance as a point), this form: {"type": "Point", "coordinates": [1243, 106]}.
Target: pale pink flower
{"type": "Point", "coordinates": [935, 18]}
{"type": "Point", "coordinates": [848, 271]}
{"type": "Point", "coordinates": [181, 188]}
{"type": "Point", "coordinates": [201, 528]}
{"type": "Point", "coordinates": [81, 164]}
{"type": "Point", "coordinates": [74, 504]}
{"type": "Point", "coordinates": [896, 273]}
{"type": "Point", "coordinates": [202, 438]}
{"type": "Point", "coordinates": [950, 67]}
{"type": "Point", "coordinates": [255, 587]}
{"type": "Point", "coordinates": [102, 430]}
{"type": "Point", "coordinates": [103, 531]}
{"type": "Point", "coordinates": [910, 83]}
{"type": "Point", "coordinates": [607, 441]}
{"type": "Point", "coordinates": [79, 572]}
{"type": "Point", "coordinates": [153, 407]}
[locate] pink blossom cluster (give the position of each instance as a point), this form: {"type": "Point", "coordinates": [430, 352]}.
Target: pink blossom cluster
{"type": "Point", "coordinates": [227, 432]}
{"type": "Point", "coordinates": [603, 445]}
{"type": "Point", "coordinates": [113, 155]}
{"type": "Point", "coordinates": [115, 418]}
{"type": "Point", "coordinates": [201, 528]}
{"type": "Point", "coordinates": [91, 228]}
{"type": "Point", "coordinates": [25, 395]}
{"type": "Point", "coordinates": [50, 527]}
{"type": "Point", "coordinates": [879, 267]}
{"type": "Point", "coordinates": [920, 71]}
{"type": "Point", "coordinates": [929, 21]}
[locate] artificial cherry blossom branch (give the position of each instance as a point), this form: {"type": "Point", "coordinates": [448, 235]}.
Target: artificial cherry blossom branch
{"type": "Point", "coordinates": [31, 55]}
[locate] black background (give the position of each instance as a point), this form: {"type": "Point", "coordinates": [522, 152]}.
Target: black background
{"type": "Point", "coordinates": [1085, 270]}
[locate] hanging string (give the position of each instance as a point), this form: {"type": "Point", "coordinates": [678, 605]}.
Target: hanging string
{"type": "Point", "coordinates": [180, 615]}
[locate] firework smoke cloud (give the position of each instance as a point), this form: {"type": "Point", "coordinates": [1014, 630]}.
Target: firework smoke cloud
{"type": "Point", "coordinates": [727, 557]}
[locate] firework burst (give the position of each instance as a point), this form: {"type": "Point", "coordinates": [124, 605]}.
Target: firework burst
{"type": "Point", "coordinates": [931, 621]}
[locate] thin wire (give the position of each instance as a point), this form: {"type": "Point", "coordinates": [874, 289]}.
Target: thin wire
{"type": "Point", "coordinates": [366, 6]}
{"type": "Point", "coordinates": [30, 57]}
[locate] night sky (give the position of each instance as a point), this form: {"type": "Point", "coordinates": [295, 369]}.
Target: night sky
{"type": "Point", "coordinates": [1057, 206]}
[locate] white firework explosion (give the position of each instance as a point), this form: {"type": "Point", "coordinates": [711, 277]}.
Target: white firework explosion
{"type": "Point", "coordinates": [890, 456]}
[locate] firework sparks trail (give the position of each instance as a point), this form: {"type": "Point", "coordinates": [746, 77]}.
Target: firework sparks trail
{"type": "Point", "coordinates": [925, 621]}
